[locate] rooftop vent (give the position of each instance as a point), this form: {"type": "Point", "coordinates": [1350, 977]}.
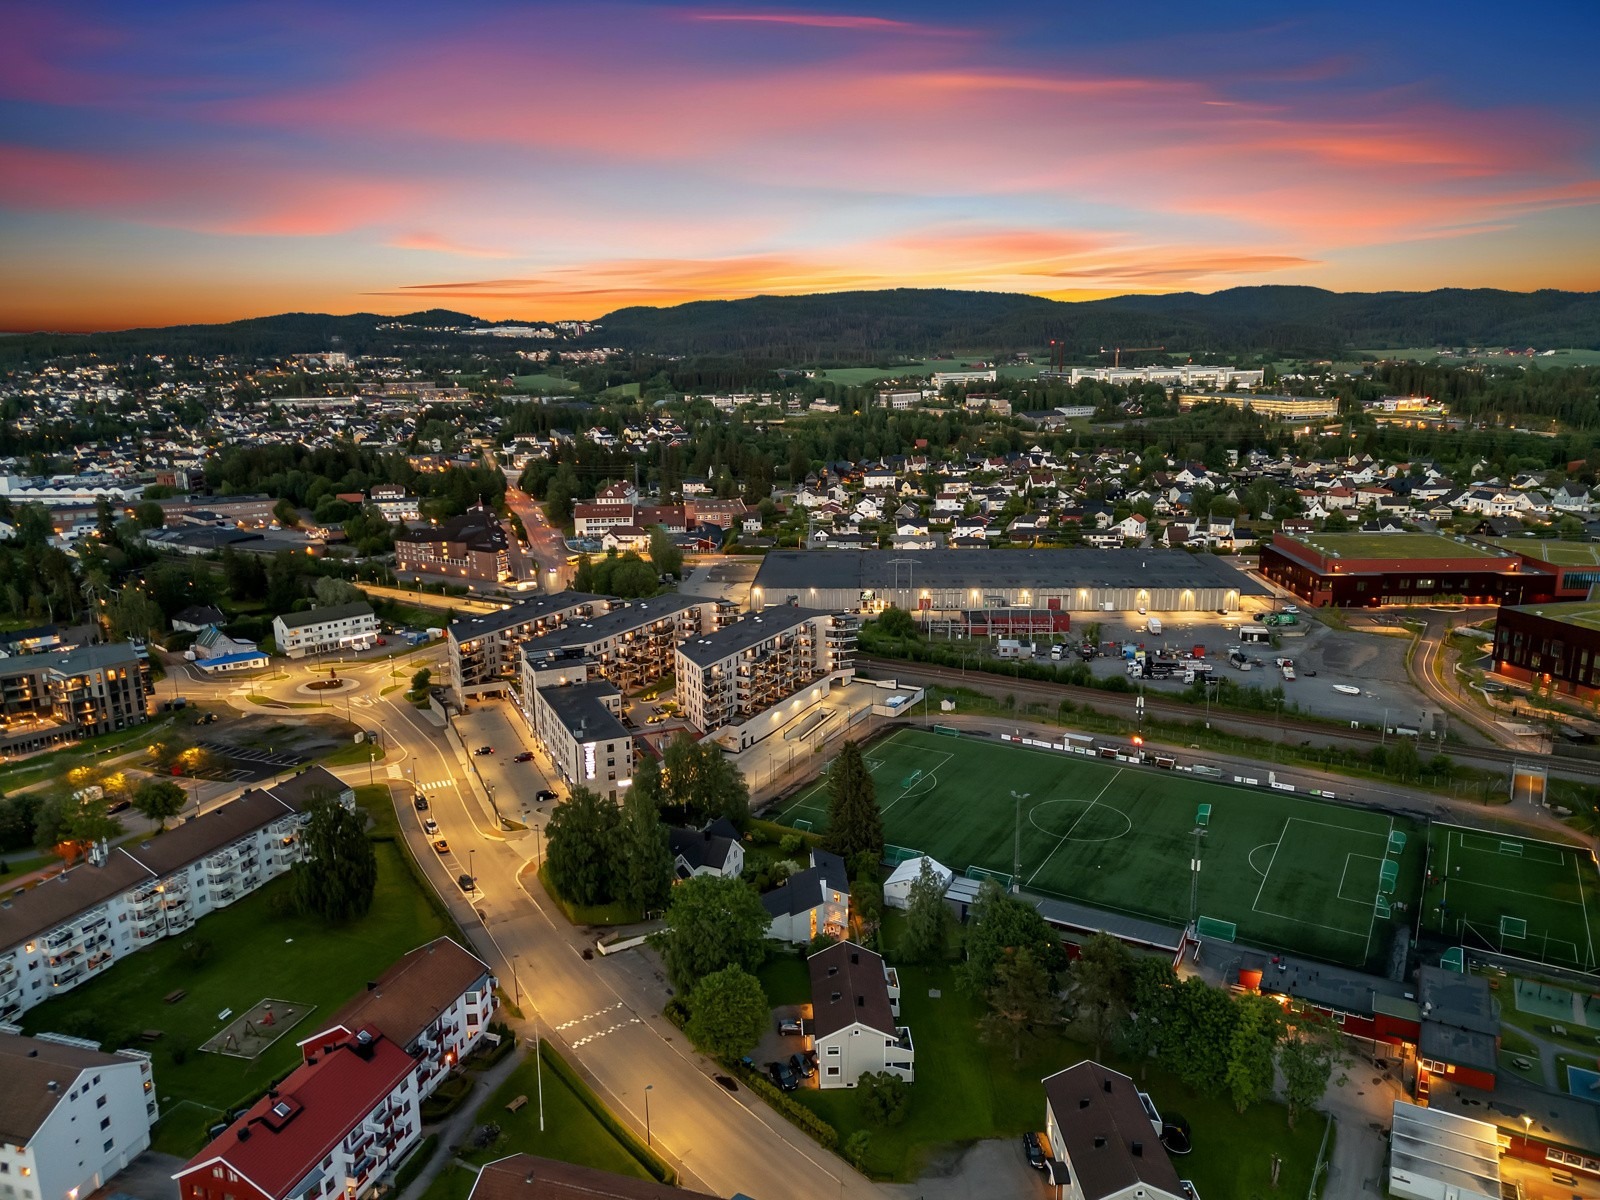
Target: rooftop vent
{"type": "Point", "coordinates": [1084, 1102]}
{"type": "Point", "coordinates": [1100, 1142]}
{"type": "Point", "coordinates": [1106, 1085]}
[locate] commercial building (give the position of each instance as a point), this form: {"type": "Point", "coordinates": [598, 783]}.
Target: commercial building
{"type": "Point", "coordinates": [1572, 568]}
{"type": "Point", "coordinates": [484, 652]}
{"type": "Point", "coordinates": [71, 1116]}
{"type": "Point", "coordinates": [631, 644]}
{"type": "Point", "coordinates": [963, 378]}
{"type": "Point", "coordinates": [55, 697]}
{"type": "Point", "coordinates": [579, 725]}
{"type": "Point", "coordinates": [73, 926]}
{"type": "Point", "coordinates": [1103, 1136]}
{"type": "Point", "coordinates": [942, 584]}
{"type": "Point", "coordinates": [1282, 408]}
{"type": "Point", "coordinates": [470, 546]}
{"type": "Point", "coordinates": [1188, 375]}
{"type": "Point", "coordinates": [320, 630]}
{"type": "Point", "coordinates": [1373, 569]}
{"type": "Point", "coordinates": [855, 1007]}
{"type": "Point", "coordinates": [1553, 645]}
{"type": "Point", "coordinates": [1438, 1155]}
{"type": "Point", "coordinates": [750, 677]}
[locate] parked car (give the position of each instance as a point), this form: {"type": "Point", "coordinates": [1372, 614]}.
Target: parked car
{"type": "Point", "coordinates": [482, 750]}
{"type": "Point", "coordinates": [421, 802]}
{"type": "Point", "coordinates": [525, 756]}
{"type": "Point", "coordinates": [1031, 1148]}
{"type": "Point", "coordinates": [783, 1075]}
{"type": "Point", "coordinates": [466, 883]}
{"type": "Point", "coordinates": [430, 826]}
{"type": "Point", "coordinates": [789, 1027]}
{"type": "Point", "coordinates": [208, 719]}
{"type": "Point", "coordinates": [441, 846]}
{"type": "Point", "coordinates": [801, 1066]}
{"type": "Point", "coordinates": [383, 641]}
{"type": "Point", "coordinates": [543, 795]}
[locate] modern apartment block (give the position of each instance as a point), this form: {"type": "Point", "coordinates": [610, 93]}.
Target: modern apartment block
{"type": "Point", "coordinates": [71, 1115]}
{"type": "Point", "coordinates": [73, 926]}
{"type": "Point", "coordinates": [579, 725]}
{"type": "Point", "coordinates": [471, 546]}
{"type": "Point", "coordinates": [484, 650]}
{"type": "Point", "coordinates": [631, 645]}
{"type": "Point", "coordinates": [320, 630]}
{"type": "Point", "coordinates": [747, 670]}
{"type": "Point", "coordinates": [55, 697]}
{"type": "Point", "coordinates": [351, 1111]}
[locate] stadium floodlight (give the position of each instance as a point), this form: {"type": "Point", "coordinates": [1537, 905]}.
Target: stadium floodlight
{"type": "Point", "coordinates": [1016, 843]}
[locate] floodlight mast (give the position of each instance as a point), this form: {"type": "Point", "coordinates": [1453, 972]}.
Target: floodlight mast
{"type": "Point", "coordinates": [1016, 843]}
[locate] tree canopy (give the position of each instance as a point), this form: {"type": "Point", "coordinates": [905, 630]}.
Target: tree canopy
{"type": "Point", "coordinates": [338, 873]}
{"type": "Point", "coordinates": [581, 846]}
{"type": "Point", "coordinates": [713, 923]}
{"type": "Point", "coordinates": [728, 1013]}
{"type": "Point", "coordinates": [855, 826]}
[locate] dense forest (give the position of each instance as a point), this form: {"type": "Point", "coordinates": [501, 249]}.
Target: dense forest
{"type": "Point", "coordinates": [878, 326]}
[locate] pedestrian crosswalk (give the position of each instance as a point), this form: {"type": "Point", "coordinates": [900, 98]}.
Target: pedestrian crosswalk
{"type": "Point", "coordinates": [435, 785]}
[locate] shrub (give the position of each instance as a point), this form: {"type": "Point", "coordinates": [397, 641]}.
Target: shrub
{"type": "Point", "coordinates": [825, 1134]}
{"type": "Point", "coordinates": [789, 845]}
{"type": "Point", "coordinates": [418, 1159]}
{"type": "Point", "coordinates": [884, 1098]}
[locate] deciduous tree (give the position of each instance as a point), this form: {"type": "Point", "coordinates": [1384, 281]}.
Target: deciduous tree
{"type": "Point", "coordinates": [644, 858]}
{"type": "Point", "coordinates": [581, 842]}
{"type": "Point", "coordinates": [1100, 988]}
{"type": "Point", "coordinates": [1257, 1024]}
{"type": "Point", "coordinates": [70, 824]}
{"type": "Point", "coordinates": [728, 1013]}
{"type": "Point", "coordinates": [1022, 1001]}
{"type": "Point", "coordinates": [159, 799]}
{"type": "Point", "coordinates": [855, 826]}
{"type": "Point", "coordinates": [339, 873]}
{"type": "Point", "coordinates": [664, 553]}
{"type": "Point", "coordinates": [1306, 1056]}
{"type": "Point", "coordinates": [928, 918]}
{"type": "Point", "coordinates": [883, 1096]}
{"type": "Point", "coordinates": [713, 923]}
{"type": "Point", "coordinates": [998, 925]}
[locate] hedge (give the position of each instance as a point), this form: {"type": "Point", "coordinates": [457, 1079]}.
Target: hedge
{"type": "Point", "coordinates": [648, 1158]}
{"type": "Point", "coordinates": [825, 1134]}
{"type": "Point", "coordinates": [412, 1167]}
{"type": "Point", "coordinates": [775, 833]}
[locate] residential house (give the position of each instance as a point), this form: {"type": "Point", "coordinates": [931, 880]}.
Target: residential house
{"type": "Point", "coordinates": [811, 901]}
{"type": "Point", "coordinates": [1103, 1136]}
{"type": "Point", "coordinates": [714, 850]}
{"type": "Point", "coordinates": [855, 1003]}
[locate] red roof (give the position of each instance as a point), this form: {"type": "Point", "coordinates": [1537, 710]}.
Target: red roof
{"type": "Point", "coordinates": [286, 1134]}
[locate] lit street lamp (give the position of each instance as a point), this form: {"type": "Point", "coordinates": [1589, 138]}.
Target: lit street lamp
{"type": "Point", "coordinates": [648, 1088]}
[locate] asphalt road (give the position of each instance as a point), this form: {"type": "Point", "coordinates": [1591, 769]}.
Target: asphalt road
{"type": "Point", "coordinates": [545, 544]}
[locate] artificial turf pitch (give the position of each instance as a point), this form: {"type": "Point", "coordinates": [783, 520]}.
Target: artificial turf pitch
{"type": "Point", "coordinates": [1513, 895]}
{"type": "Point", "coordinates": [1290, 872]}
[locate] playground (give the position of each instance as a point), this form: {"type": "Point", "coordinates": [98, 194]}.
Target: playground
{"type": "Point", "coordinates": [247, 1035]}
{"type": "Point", "coordinates": [1275, 869]}
{"type": "Point", "coordinates": [1521, 897]}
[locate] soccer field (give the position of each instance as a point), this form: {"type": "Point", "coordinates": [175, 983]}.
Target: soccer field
{"type": "Point", "coordinates": [1288, 872]}
{"type": "Point", "coordinates": [1513, 895]}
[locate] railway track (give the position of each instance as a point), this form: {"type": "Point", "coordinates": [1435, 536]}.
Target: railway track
{"type": "Point", "coordinates": [1232, 720]}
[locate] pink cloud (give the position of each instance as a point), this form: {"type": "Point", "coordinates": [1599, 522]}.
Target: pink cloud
{"type": "Point", "coordinates": [440, 245]}
{"type": "Point", "coordinates": [813, 20]}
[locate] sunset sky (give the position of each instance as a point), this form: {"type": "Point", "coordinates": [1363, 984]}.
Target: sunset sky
{"type": "Point", "coordinates": [164, 162]}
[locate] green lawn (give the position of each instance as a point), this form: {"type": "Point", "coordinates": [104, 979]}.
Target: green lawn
{"type": "Point", "coordinates": [1521, 896]}
{"type": "Point", "coordinates": [1289, 871]}
{"type": "Point", "coordinates": [258, 949]}
{"type": "Point", "coordinates": [785, 980]}
{"type": "Point", "coordinates": [572, 1133]}
{"type": "Point", "coordinates": [88, 752]}
{"type": "Point", "coordinates": [354, 755]}
{"type": "Point", "coordinates": [543, 383]}
{"type": "Point", "coordinates": [18, 867]}
{"type": "Point", "coordinates": [965, 1091]}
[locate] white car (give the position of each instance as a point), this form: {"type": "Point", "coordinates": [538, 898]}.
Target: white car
{"type": "Point", "coordinates": [430, 826]}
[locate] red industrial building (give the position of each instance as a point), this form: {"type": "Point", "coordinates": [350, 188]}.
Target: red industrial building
{"type": "Point", "coordinates": [1368, 570]}
{"type": "Point", "coordinates": [1551, 645]}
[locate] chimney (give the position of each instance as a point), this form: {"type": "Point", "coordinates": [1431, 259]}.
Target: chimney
{"type": "Point", "coordinates": [52, 1087]}
{"type": "Point", "coordinates": [1083, 1103]}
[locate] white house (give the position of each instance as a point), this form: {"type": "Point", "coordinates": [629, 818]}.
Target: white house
{"type": "Point", "coordinates": [815, 900]}
{"type": "Point", "coordinates": [855, 1001]}
{"type": "Point", "coordinates": [714, 850]}
{"type": "Point", "coordinates": [1104, 1136]}
{"type": "Point", "coordinates": [71, 1116]}
{"type": "Point", "coordinates": [316, 630]}
{"type": "Point", "coordinates": [897, 888]}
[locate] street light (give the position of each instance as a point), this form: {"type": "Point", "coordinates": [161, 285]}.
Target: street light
{"type": "Point", "coordinates": [648, 1088]}
{"type": "Point", "coordinates": [470, 873]}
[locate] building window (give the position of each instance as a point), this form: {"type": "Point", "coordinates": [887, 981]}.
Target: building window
{"type": "Point", "coordinates": [100, 1102]}
{"type": "Point", "coordinates": [107, 1147]}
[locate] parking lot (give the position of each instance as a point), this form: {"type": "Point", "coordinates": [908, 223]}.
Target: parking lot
{"type": "Point", "coordinates": [516, 785]}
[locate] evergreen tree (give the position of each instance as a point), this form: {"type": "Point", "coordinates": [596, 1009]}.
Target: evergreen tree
{"type": "Point", "coordinates": [1022, 1001]}
{"type": "Point", "coordinates": [339, 871]}
{"type": "Point", "coordinates": [644, 859]}
{"type": "Point", "coordinates": [928, 918]}
{"type": "Point", "coordinates": [581, 840]}
{"type": "Point", "coordinates": [1100, 986]}
{"type": "Point", "coordinates": [855, 826]}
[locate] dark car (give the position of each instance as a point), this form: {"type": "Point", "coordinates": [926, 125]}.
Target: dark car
{"type": "Point", "coordinates": [802, 1066]}
{"type": "Point", "coordinates": [467, 883]}
{"type": "Point", "coordinates": [1035, 1155]}
{"type": "Point", "coordinates": [545, 794]}
{"type": "Point", "coordinates": [481, 750]}
{"type": "Point", "coordinates": [422, 803]}
{"type": "Point", "coordinates": [525, 756]}
{"type": "Point", "coordinates": [790, 1027]}
{"type": "Point", "coordinates": [783, 1075]}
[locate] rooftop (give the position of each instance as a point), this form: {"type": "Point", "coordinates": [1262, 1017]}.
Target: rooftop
{"type": "Point", "coordinates": [524, 1177]}
{"type": "Point", "coordinates": [1407, 546]}
{"type": "Point", "coordinates": [1108, 1134]}
{"type": "Point", "coordinates": [317, 616]}
{"type": "Point", "coordinates": [39, 1074]}
{"type": "Point", "coordinates": [1458, 1152]}
{"type": "Point", "coordinates": [581, 708]}
{"type": "Point", "coordinates": [1558, 554]}
{"type": "Point", "coordinates": [848, 986]}
{"type": "Point", "coordinates": [1583, 613]}
{"type": "Point", "coordinates": [787, 572]}
{"type": "Point", "coordinates": [534, 608]}
{"type": "Point", "coordinates": [621, 619]}
{"type": "Point", "coordinates": [408, 997]}
{"type": "Point", "coordinates": [743, 634]}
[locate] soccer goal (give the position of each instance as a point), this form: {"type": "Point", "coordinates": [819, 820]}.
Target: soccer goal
{"type": "Point", "coordinates": [983, 873]}
{"type": "Point", "coordinates": [802, 825]}
{"type": "Point", "coordinates": [895, 855]}
{"type": "Point", "coordinates": [1397, 842]}
{"type": "Point", "coordinates": [1388, 876]}
{"type": "Point", "coordinates": [910, 781]}
{"type": "Point", "coordinates": [1212, 927]}
{"type": "Point", "coordinates": [1513, 927]}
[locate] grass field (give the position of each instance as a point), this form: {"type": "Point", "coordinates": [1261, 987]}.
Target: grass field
{"type": "Point", "coordinates": [1532, 899]}
{"type": "Point", "coordinates": [1561, 358]}
{"type": "Point", "coordinates": [1290, 872]}
{"type": "Point", "coordinates": [543, 383]}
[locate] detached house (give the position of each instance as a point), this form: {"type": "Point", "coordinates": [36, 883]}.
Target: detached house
{"type": "Point", "coordinates": [1104, 1138]}
{"type": "Point", "coordinates": [714, 850]}
{"type": "Point", "coordinates": [855, 1001]}
{"type": "Point", "coordinates": [815, 900]}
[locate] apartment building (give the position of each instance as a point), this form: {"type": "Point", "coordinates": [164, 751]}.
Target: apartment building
{"type": "Point", "coordinates": [579, 725]}
{"type": "Point", "coordinates": [73, 926]}
{"type": "Point", "coordinates": [1103, 1137]}
{"type": "Point", "coordinates": [1282, 407]}
{"type": "Point", "coordinates": [747, 669]}
{"type": "Point", "coordinates": [332, 1127]}
{"type": "Point", "coordinates": [471, 546]}
{"type": "Point", "coordinates": [71, 1116]}
{"type": "Point", "coordinates": [320, 630]}
{"type": "Point", "coordinates": [435, 1003]}
{"type": "Point", "coordinates": [631, 644]}
{"type": "Point", "coordinates": [855, 1004]}
{"type": "Point", "coordinates": [55, 697]}
{"type": "Point", "coordinates": [484, 651]}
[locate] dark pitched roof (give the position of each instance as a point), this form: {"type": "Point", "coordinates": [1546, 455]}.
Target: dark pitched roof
{"type": "Point", "coordinates": [38, 1076]}
{"type": "Point", "coordinates": [708, 847]}
{"type": "Point", "coordinates": [525, 1177]}
{"type": "Point", "coordinates": [1101, 1119]}
{"type": "Point", "coordinates": [317, 616]}
{"type": "Point", "coordinates": [848, 987]}
{"type": "Point", "coordinates": [802, 891]}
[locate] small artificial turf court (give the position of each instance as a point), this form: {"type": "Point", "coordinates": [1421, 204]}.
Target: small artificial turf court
{"type": "Point", "coordinates": [1517, 896]}
{"type": "Point", "coordinates": [1279, 871]}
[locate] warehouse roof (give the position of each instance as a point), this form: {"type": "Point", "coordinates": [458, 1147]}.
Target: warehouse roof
{"type": "Point", "coordinates": [1409, 547]}
{"type": "Point", "coordinates": [796, 571]}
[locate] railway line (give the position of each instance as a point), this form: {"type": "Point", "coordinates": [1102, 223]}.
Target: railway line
{"type": "Point", "coordinates": [1231, 720]}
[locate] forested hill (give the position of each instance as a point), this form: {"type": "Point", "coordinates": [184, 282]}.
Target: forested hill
{"type": "Point", "coordinates": [865, 326]}
{"type": "Point", "coordinates": [907, 323]}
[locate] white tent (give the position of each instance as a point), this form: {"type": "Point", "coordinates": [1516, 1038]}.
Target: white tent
{"type": "Point", "coordinates": [897, 888]}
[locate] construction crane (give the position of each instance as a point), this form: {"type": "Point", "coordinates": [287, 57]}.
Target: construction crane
{"type": "Point", "coordinates": [1119, 351]}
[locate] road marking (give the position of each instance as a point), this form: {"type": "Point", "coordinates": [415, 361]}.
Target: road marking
{"type": "Point", "coordinates": [1074, 826]}
{"type": "Point", "coordinates": [599, 1012]}
{"type": "Point", "coordinates": [594, 1037]}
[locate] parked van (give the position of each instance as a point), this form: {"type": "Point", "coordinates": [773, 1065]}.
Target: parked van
{"type": "Point", "coordinates": [1154, 626]}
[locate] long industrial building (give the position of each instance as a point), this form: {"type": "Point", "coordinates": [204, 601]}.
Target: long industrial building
{"type": "Point", "coordinates": [947, 583]}
{"type": "Point", "coordinates": [1368, 570]}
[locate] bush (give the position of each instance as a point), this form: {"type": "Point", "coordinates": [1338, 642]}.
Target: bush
{"type": "Point", "coordinates": [826, 1135]}
{"type": "Point", "coordinates": [884, 1097]}
{"type": "Point", "coordinates": [856, 1147]}
{"type": "Point", "coordinates": [415, 1162]}
{"type": "Point", "coordinates": [790, 845]}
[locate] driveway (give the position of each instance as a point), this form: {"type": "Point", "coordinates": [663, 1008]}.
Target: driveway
{"type": "Point", "coordinates": [994, 1169]}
